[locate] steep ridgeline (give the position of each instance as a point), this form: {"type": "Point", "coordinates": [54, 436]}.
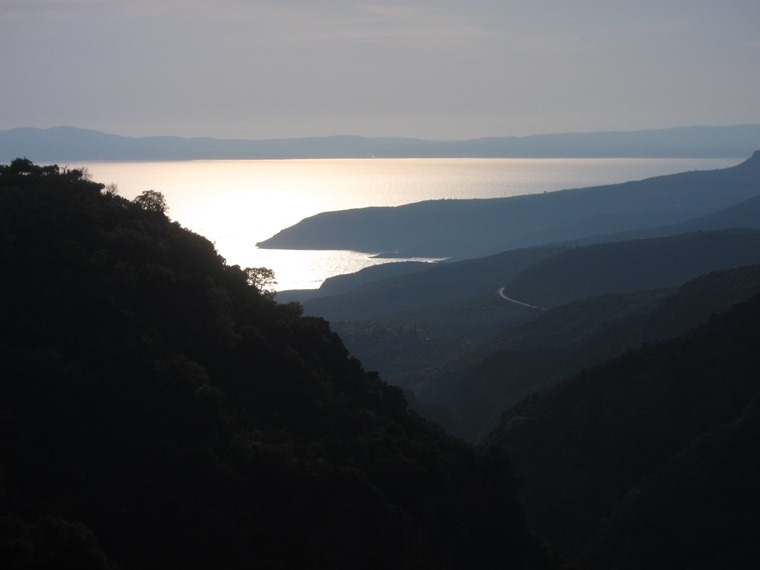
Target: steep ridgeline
{"type": "Point", "coordinates": [159, 411]}
{"type": "Point", "coordinates": [475, 228]}
{"type": "Point", "coordinates": [583, 447]}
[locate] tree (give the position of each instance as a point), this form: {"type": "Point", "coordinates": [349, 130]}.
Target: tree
{"type": "Point", "coordinates": [111, 189]}
{"type": "Point", "coordinates": [262, 278]}
{"type": "Point", "coordinates": [152, 201]}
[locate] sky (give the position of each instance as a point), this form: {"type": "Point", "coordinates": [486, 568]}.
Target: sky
{"type": "Point", "coordinates": [435, 69]}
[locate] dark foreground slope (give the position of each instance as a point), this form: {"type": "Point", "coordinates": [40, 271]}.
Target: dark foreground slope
{"type": "Point", "coordinates": [475, 228]}
{"type": "Point", "coordinates": [698, 511]}
{"type": "Point", "coordinates": [158, 411]}
{"type": "Point", "coordinates": [584, 445]}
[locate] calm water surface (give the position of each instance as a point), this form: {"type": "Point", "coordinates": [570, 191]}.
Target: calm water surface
{"type": "Point", "coordinates": [237, 203]}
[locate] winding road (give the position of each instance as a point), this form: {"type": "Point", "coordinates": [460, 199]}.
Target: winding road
{"type": "Point", "coordinates": [503, 295]}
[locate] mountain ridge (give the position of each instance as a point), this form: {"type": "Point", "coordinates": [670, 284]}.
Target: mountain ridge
{"type": "Point", "coordinates": [68, 143]}
{"type": "Point", "coordinates": [471, 228]}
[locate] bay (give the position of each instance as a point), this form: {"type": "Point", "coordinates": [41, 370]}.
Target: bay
{"type": "Point", "coordinates": [237, 203]}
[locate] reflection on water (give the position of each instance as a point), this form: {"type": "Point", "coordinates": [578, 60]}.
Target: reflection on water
{"type": "Point", "coordinates": [308, 269]}
{"type": "Point", "coordinates": [237, 203]}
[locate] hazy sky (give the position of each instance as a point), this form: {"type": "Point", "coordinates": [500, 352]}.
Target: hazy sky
{"type": "Point", "coordinates": [441, 69]}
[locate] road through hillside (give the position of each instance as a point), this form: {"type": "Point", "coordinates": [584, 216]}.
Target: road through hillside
{"type": "Point", "coordinates": [503, 295]}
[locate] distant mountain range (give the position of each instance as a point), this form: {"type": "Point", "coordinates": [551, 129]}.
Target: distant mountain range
{"type": "Point", "coordinates": [62, 144]}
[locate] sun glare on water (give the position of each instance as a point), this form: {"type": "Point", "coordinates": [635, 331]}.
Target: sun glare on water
{"type": "Point", "coordinates": [238, 203]}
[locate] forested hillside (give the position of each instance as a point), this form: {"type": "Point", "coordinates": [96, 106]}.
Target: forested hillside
{"type": "Point", "coordinates": [585, 446]}
{"type": "Point", "coordinates": [159, 410]}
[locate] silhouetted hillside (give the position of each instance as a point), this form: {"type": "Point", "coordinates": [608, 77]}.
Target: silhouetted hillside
{"type": "Point", "coordinates": [159, 411]}
{"type": "Point", "coordinates": [475, 228]}
{"type": "Point", "coordinates": [583, 445]}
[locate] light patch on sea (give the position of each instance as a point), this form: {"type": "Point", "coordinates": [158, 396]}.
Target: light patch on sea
{"type": "Point", "coordinates": [238, 203]}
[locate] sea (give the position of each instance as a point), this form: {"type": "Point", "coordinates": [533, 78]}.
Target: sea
{"type": "Point", "coordinates": [238, 203]}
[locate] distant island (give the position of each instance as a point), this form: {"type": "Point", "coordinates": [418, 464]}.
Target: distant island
{"type": "Point", "coordinates": [62, 144]}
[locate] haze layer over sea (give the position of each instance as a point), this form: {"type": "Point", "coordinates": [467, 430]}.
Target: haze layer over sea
{"type": "Point", "coordinates": [237, 203]}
